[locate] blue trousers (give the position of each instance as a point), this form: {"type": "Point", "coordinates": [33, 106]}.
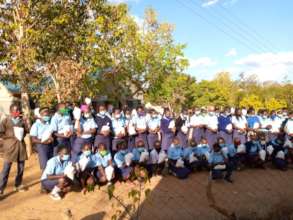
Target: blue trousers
{"type": "Point", "coordinates": [5, 174]}
{"type": "Point", "coordinates": [45, 152]}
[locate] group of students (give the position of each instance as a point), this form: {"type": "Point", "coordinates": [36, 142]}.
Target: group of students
{"type": "Point", "coordinates": [88, 146]}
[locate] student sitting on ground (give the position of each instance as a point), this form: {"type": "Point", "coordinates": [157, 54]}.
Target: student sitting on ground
{"type": "Point", "coordinates": [191, 160]}
{"type": "Point", "coordinates": [255, 155]}
{"type": "Point", "coordinates": [123, 160]}
{"type": "Point", "coordinates": [203, 153]}
{"type": "Point", "coordinates": [157, 159]}
{"type": "Point", "coordinates": [219, 164]}
{"type": "Point", "coordinates": [229, 151]}
{"type": "Point", "coordinates": [175, 160]}
{"type": "Point", "coordinates": [54, 178]}
{"type": "Point", "coordinates": [140, 154]}
{"type": "Point", "coordinates": [86, 165]}
{"type": "Point", "coordinates": [106, 172]}
{"type": "Point", "coordinates": [280, 152]}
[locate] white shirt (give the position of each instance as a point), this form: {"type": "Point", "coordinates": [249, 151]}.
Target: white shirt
{"type": "Point", "coordinates": [241, 122]}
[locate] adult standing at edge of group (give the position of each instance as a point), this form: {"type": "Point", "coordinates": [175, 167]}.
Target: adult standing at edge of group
{"type": "Point", "coordinates": [104, 124]}
{"type": "Point", "coordinates": [12, 130]}
{"type": "Point", "coordinates": [167, 129]}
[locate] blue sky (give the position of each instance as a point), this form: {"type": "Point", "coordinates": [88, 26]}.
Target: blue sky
{"type": "Point", "coordinates": [249, 36]}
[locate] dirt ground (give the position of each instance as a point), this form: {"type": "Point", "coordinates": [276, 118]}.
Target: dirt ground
{"type": "Point", "coordinates": [254, 193]}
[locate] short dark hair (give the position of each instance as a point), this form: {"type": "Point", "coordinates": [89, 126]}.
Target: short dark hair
{"type": "Point", "coordinates": [62, 147]}
{"type": "Point", "coordinates": [14, 104]}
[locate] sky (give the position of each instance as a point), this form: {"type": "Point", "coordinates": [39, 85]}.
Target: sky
{"type": "Point", "coordinates": [238, 36]}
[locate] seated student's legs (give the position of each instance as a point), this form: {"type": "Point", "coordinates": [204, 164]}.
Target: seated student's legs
{"type": "Point", "coordinates": [100, 175]}
{"type": "Point", "coordinates": [180, 172]}
{"type": "Point", "coordinates": [64, 184]}
{"type": "Point", "coordinates": [125, 173]}
{"type": "Point", "coordinates": [280, 164]}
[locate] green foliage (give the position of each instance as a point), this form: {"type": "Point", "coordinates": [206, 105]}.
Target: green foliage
{"type": "Point", "coordinates": [251, 101]}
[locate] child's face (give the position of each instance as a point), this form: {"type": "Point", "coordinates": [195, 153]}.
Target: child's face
{"type": "Point", "coordinates": [221, 141]}
{"type": "Point", "coordinates": [86, 148]}
{"type": "Point", "coordinates": [204, 141]}
{"type": "Point", "coordinates": [140, 144]}
{"type": "Point", "coordinates": [157, 146]}
{"type": "Point", "coordinates": [102, 147]}
{"type": "Point", "coordinates": [176, 142]}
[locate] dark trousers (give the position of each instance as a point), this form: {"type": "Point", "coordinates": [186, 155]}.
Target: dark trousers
{"type": "Point", "coordinates": [5, 174]}
{"type": "Point", "coordinates": [44, 154]}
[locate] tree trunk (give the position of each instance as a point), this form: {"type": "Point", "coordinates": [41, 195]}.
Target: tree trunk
{"type": "Point", "coordinates": [25, 102]}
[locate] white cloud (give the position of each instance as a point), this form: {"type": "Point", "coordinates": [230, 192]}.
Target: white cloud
{"type": "Point", "coordinates": [267, 66]}
{"type": "Point", "coordinates": [201, 62]}
{"type": "Point", "coordinates": [208, 3]}
{"type": "Point", "coordinates": [231, 53]}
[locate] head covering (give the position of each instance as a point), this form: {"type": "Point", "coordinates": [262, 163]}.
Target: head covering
{"type": "Point", "coordinates": [84, 108]}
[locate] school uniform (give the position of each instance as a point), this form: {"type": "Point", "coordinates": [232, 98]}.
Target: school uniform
{"type": "Point", "coordinates": [60, 124]}
{"type": "Point", "coordinates": [119, 159]}
{"type": "Point", "coordinates": [203, 151]}
{"type": "Point", "coordinates": [175, 153]}
{"type": "Point", "coordinates": [218, 158]}
{"type": "Point", "coordinates": [253, 121]}
{"type": "Point", "coordinates": [157, 161]}
{"type": "Point", "coordinates": [54, 167]}
{"type": "Point", "coordinates": [276, 122]}
{"type": "Point", "coordinates": [253, 150]}
{"type": "Point", "coordinates": [188, 154]}
{"type": "Point", "coordinates": [119, 126]}
{"type": "Point", "coordinates": [182, 125]}
{"type": "Point", "coordinates": [167, 133]}
{"type": "Point", "coordinates": [230, 152]}
{"type": "Point", "coordinates": [140, 122]}
{"type": "Point", "coordinates": [196, 121]}
{"type": "Point", "coordinates": [45, 151]}
{"type": "Point", "coordinates": [13, 150]}
{"type": "Point", "coordinates": [86, 124]}
{"type": "Point", "coordinates": [224, 121]}
{"type": "Point", "coordinates": [239, 122]}
{"type": "Point", "coordinates": [279, 154]}
{"type": "Point", "coordinates": [131, 133]}
{"type": "Point", "coordinates": [153, 124]}
{"type": "Point", "coordinates": [212, 123]}
{"type": "Point", "coordinates": [288, 127]}
{"type": "Point", "coordinates": [103, 121]}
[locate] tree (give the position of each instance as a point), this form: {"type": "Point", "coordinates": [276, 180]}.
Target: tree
{"type": "Point", "coordinates": [251, 101]}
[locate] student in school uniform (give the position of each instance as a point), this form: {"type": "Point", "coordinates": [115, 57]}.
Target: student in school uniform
{"type": "Point", "coordinates": [219, 164]}
{"type": "Point", "coordinates": [104, 124]}
{"type": "Point", "coordinates": [191, 160]}
{"type": "Point", "coordinates": [265, 122]}
{"type": "Point", "coordinates": [280, 152]}
{"type": "Point", "coordinates": [182, 127]}
{"type": "Point", "coordinates": [288, 125]}
{"type": "Point", "coordinates": [197, 125]}
{"type": "Point", "coordinates": [12, 130]}
{"type": "Point", "coordinates": [254, 153]}
{"type": "Point", "coordinates": [230, 152]}
{"type": "Point", "coordinates": [168, 129]}
{"type": "Point", "coordinates": [157, 159]}
{"type": "Point", "coordinates": [53, 178]}
{"type": "Point", "coordinates": [175, 160]}
{"type": "Point", "coordinates": [87, 164]}
{"type": "Point", "coordinates": [85, 129]}
{"type": "Point", "coordinates": [140, 123]}
{"type": "Point", "coordinates": [130, 126]}
{"type": "Point", "coordinates": [119, 129]}
{"type": "Point", "coordinates": [225, 126]}
{"type": "Point", "coordinates": [275, 122]}
{"type": "Point", "coordinates": [211, 126]}
{"type": "Point", "coordinates": [253, 122]}
{"type": "Point", "coordinates": [154, 125]}
{"type": "Point", "coordinates": [203, 153]}
{"type": "Point", "coordinates": [106, 172]}
{"type": "Point", "coordinates": [239, 126]}
{"type": "Point", "coordinates": [62, 126]}
{"type": "Point", "coordinates": [39, 130]}
{"type": "Point", "coordinates": [124, 167]}
{"type": "Point", "coordinates": [140, 154]}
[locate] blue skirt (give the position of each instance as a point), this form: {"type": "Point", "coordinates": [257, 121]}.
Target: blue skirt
{"type": "Point", "coordinates": [103, 139]}
{"type": "Point", "coordinates": [240, 136]}
{"type": "Point", "coordinates": [197, 134]}
{"type": "Point", "coordinates": [227, 137]}
{"type": "Point", "coordinates": [167, 139]}
{"type": "Point", "coordinates": [143, 137]}
{"type": "Point", "coordinates": [211, 137]}
{"type": "Point", "coordinates": [152, 138]}
{"type": "Point", "coordinates": [183, 139]}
